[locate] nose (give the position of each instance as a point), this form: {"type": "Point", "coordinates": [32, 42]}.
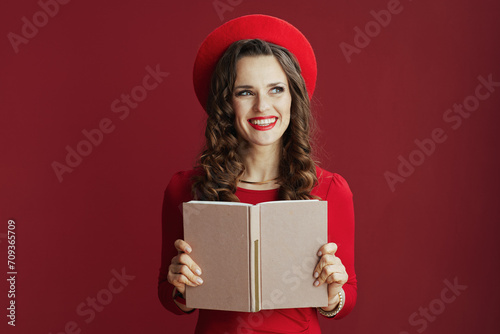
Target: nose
{"type": "Point", "coordinates": [262, 103]}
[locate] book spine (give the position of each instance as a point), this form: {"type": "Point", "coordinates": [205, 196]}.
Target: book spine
{"type": "Point", "coordinates": [254, 242]}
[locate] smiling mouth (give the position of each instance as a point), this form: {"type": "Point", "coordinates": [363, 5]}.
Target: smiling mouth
{"type": "Point", "coordinates": [263, 122]}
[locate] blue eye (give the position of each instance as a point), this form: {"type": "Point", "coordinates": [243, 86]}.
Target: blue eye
{"type": "Point", "coordinates": [277, 90]}
{"type": "Point", "coordinates": [244, 93]}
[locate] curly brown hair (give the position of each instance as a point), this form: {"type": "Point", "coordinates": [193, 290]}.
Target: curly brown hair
{"type": "Point", "coordinates": [220, 161]}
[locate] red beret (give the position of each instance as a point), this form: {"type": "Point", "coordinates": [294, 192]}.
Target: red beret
{"type": "Point", "coordinates": [267, 28]}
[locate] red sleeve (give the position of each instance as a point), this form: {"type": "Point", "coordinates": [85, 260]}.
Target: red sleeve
{"type": "Point", "coordinates": [341, 232]}
{"type": "Point", "coordinates": [178, 191]}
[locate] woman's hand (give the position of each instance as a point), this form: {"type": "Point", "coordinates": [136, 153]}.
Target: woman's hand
{"type": "Point", "coordinates": [183, 270]}
{"type": "Point", "coordinates": [330, 270]}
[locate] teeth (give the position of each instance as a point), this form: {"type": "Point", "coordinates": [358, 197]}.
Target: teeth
{"type": "Point", "coordinates": [263, 122]}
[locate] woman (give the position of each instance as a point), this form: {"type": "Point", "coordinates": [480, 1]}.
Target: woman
{"type": "Point", "coordinates": [254, 76]}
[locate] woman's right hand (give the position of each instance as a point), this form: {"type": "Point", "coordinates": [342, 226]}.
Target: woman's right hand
{"type": "Point", "coordinates": [183, 270]}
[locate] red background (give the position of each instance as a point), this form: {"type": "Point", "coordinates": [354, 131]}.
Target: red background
{"type": "Point", "coordinates": [441, 223]}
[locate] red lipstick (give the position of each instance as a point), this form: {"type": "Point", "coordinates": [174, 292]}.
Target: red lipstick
{"type": "Point", "coordinates": [263, 127]}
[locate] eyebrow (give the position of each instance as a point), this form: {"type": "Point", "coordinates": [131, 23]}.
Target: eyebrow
{"type": "Point", "coordinates": [269, 85]}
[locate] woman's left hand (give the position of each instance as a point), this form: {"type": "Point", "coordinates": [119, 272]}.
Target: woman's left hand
{"type": "Point", "coordinates": [330, 270]}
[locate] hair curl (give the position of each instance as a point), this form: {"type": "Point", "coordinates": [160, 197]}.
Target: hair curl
{"type": "Point", "coordinates": [220, 161]}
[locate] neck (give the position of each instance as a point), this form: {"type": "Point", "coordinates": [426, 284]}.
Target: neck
{"type": "Point", "coordinates": [261, 162]}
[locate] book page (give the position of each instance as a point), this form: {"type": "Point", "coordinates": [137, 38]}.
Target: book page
{"type": "Point", "coordinates": [291, 234]}
{"type": "Point", "coordinates": [218, 235]}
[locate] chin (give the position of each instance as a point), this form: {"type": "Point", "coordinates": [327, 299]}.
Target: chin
{"type": "Point", "coordinates": [264, 142]}
{"type": "Point", "coordinates": [261, 139]}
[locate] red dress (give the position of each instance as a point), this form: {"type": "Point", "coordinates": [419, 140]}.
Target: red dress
{"type": "Point", "coordinates": [331, 187]}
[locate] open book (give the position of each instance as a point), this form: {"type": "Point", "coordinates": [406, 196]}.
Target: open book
{"type": "Point", "coordinates": [256, 257]}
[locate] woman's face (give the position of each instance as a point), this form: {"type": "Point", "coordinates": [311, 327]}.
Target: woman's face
{"type": "Point", "coordinates": [261, 100]}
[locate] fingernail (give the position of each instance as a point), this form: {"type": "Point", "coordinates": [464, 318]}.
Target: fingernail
{"type": "Point", "coordinates": [199, 280]}
{"type": "Point", "coordinates": [198, 271]}
{"type": "Point", "coordinates": [319, 253]}
{"type": "Point", "coordinates": [188, 249]}
{"type": "Point", "coordinates": [316, 283]}
{"type": "Point", "coordinates": [316, 274]}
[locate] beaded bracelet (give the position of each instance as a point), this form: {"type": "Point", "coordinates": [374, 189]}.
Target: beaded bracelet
{"type": "Point", "coordinates": [334, 312]}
